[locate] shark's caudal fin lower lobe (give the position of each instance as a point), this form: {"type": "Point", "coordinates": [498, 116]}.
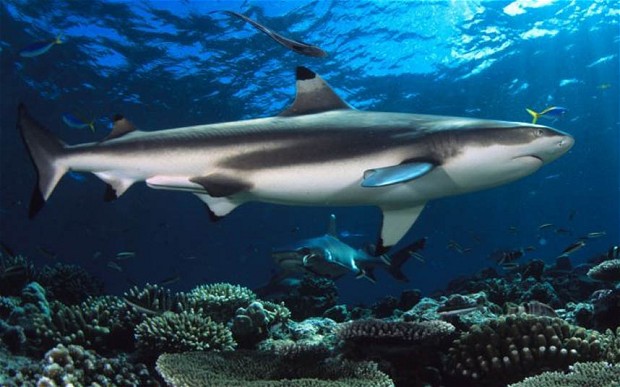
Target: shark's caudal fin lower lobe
{"type": "Point", "coordinates": [398, 259]}
{"type": "Point", "coordinates": [44, 149]}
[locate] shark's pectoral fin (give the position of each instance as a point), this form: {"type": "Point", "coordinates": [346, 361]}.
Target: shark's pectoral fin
{"type": "Point", "coordinates": [313, 95]}
{"type": "Point", "coordinates": [396, 223]}
{"type": "Point", "coordinates": [402, 173]}
{"type": "Point", "coordinates": [218, 207]}
{"type": "Point", "coordinates": [115, 186]}
{"type": "Point", "coordinates": [220, 185]}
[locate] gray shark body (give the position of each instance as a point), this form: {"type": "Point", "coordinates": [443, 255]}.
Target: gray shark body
{"type": "Point", "coordinates": [319, 151]}
{"type": "Point", "coordinates": [328, 256]}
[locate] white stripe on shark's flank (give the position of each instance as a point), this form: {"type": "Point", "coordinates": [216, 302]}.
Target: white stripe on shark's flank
{"type": "Point", "coordinates": [318, 152]}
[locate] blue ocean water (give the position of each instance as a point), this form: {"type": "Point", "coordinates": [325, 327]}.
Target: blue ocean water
{"type": "Point", "coordinates": [166, 64]}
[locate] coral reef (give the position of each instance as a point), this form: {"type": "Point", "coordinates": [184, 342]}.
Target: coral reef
{"type": "Point", "coordinates": [220, 301]}
{"type": "Point", "coordinates": [606, 271]}
{"type": "Point", "coordinates": [15, 272]}
{"type": "Point", "coordinates": [182, 332]}
{"type": "Point", "coordinates": [508, 349]}
{"type": "Point", "coordinates": [75, 366]}
{"type": "Point", "coordinates": [251, 325]}
{"type": "Point", "coordinates": [394, 343]}
{"type": "Point", "coordinates": [591, 374]}
{"type": "Point", "coordinates": [93, 324]}
{"type": "Point", "coordinates": [242, 368]}
{"type": "Point", "coordinates": [312, 297]}
{"type": "Point", "coordinates": [69, 284]}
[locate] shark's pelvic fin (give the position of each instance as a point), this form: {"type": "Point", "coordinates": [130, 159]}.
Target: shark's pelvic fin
{"type": "Point", "coordinates": [45, 151]}
{"type": "Point", "coordinates": [396, 223]}
{"type": "Point", "coordinates": [331, 226]}
{"type": "Point", "coordinates": [313, 95]}
{"type": "Point", "coordinates": [402, 173]}
{"type": "Point", "coordinates": [220, 185]}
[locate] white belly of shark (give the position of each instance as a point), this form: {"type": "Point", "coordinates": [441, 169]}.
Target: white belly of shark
{"type": "Point", "coordinates": [319, 151]}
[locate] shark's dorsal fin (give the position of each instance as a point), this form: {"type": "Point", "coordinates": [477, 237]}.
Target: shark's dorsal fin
{"type": "Point", "coordinates": [121, 127]}
{"type": "Point", "coordinates": [331, 226]}
{"type": "Point", "coordinates": [313, 95]}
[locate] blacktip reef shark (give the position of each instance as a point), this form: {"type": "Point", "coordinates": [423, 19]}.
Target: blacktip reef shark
{"type": "Point", "coordinates": [317, 152]}
{"type": "Point", "coordinates": [328, 256]}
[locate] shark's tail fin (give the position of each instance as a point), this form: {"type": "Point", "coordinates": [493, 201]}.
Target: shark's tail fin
{"type": "Point", "coordinates": [397, 260]}
{"type": "Point", "coordinates": [535, 116]}
{"type": "Point", "coordinates": [45, 151]}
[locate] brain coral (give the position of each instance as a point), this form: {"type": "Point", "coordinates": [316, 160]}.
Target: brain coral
{"type": "Point", "coordinates": [252, 369]}
{"type": "Point", "coordinates": [512, 347]}
{"type": "Point", "coordinates": [181, 332]}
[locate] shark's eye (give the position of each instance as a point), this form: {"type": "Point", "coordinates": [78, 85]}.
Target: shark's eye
{"type": "Point", "coordinates": [539, 132]}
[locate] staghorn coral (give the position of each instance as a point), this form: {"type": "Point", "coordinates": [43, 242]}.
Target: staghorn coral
{"type": "Point", "coordinates": [220, 301]}
{"type": "Point", "coordinates": [606, 271]}
{"type": "Point", "coordinates": [74, 366]}
{"type": "Point", "coordinates": [181, 332]}
{"type": "Point", "coordinates": [249, 369]}
{"type": "Point", "coordinates": [506, 350]}
{"type": "Point", "coordinates": [591, 374]}
{"type": "Point", "coordinates": [69, 284]}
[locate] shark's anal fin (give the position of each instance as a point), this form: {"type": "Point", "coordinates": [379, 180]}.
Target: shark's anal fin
{"type": "Point", "coordinates": [402, 173]}
{"type": "Point", "coordinates": [313, 95]}
{"type": "Point", "coordinates": [218, 207]}
{"type": "Point", "coordinates": [396, 223]}
{"type": "Point", "coordinates": [220, 185]}
{"type": "Point", "coordinates": [115, 186]}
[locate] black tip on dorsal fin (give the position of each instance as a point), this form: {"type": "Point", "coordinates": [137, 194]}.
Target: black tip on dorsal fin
{"type": "Point", "coordinates": [121, 127]}
{"type": "Point", "coordinates": [313, 95]}
{"type": "Point", "coordinates": [303, 73]}
{"type": "Point", "coordinates": [36, 202]}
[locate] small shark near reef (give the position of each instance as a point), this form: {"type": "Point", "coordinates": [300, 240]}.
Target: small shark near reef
{"type": "Point", "coordinates": [327, 256]}
{"type": "Point", "coordinates": [318, 152]}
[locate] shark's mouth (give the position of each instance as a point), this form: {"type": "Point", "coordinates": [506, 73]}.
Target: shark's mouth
{"type": "Point", "coordinates": [529, 157]}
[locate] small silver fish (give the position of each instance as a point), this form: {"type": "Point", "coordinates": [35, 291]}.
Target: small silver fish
{"type": "Point", "coordinates": [115, 266]}
{"type": "Point", "coordinates": [573, 247]}
{"type": "Point", "coordinates": [125, 255]}
{"type": "Point", "coordinates": [546, 225]}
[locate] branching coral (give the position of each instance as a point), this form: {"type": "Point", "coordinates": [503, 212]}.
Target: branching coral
{"type": "Point", "coordinates": [181, 332]}
{"type": "Point", "coordinates": [220, 301]}
{"type": "Point", "coordinates": [508, 349]}
{"type": "Point", "coordinates": [263, 369]}
{"type": "Point", "coordinates": [69, 284]}
{"type": "Point", "coordinates": [93, 324]}
{"type": "Point", "coordinates": [593, 374]}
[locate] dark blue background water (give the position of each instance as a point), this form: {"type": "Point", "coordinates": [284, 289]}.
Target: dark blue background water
{"type": "Point", "coordinates": [168, 64]}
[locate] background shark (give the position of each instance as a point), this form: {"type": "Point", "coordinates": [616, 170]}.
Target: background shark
{"type": "Point", "coordinates": [328, 256]}
{"type": "Point", "coordinates": [318, 152]}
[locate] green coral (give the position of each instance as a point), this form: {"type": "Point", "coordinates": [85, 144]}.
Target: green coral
{"type": "Point", "coordinates": [220, 300]}
{"type": "Point", "coordinates": [253, 369]}
{"type": "Point", "coordinates": [181, 332]}
{"type": "Point", "coordinates": [506, 350]}
{"type": "Point", "coordinates": [593, 374]}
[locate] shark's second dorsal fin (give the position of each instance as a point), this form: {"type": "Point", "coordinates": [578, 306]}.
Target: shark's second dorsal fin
{"type": "Point", "coordinates": [121, 127]}
{"type": "Point", "coordinates": [331, 226]}
{"type": "Point", "coordinates": [313, 95]}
